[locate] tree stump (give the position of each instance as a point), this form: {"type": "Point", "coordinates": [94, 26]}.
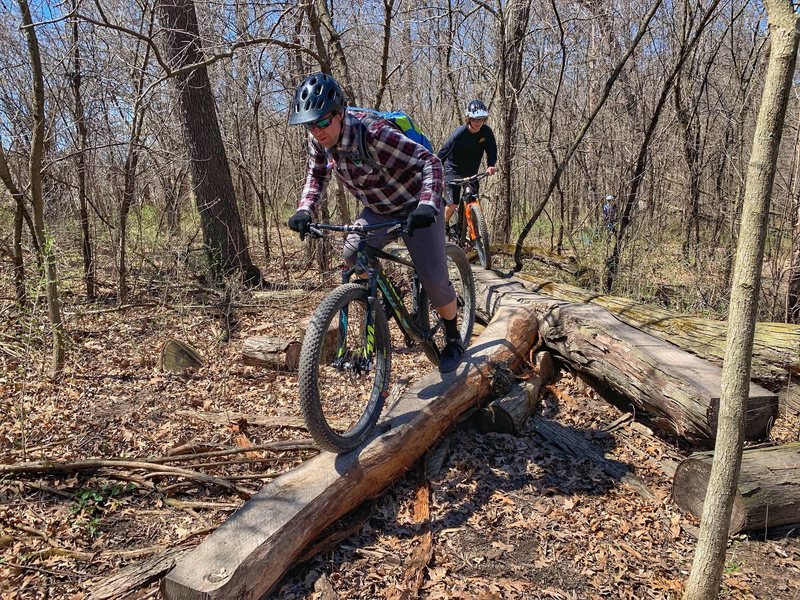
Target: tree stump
{"type": "Point", "coordinates": [768, 493]}
{"type": "Point", "coordinates": [330, 342]}
{"type": "Point", "coordinates": [509, 413]}
{"type": "Point", "coordinates": [177, 357]}
{"type": "Point", "coordinates": [271, 353]}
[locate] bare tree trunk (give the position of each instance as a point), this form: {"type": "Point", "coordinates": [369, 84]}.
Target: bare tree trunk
{"type": "Point", "coordinates": [513, 28]}
{"type": "Point", "coordinates": [793, 293]}
{"type": "Point", "coordinates": [46, 244]}
{"type": "Point", "coordinates": [388, 7]}
{"type": "Point", "coordinates": [19, 211]}
{"type": "Point", "coordinates": [709, 559]}
{"type": "Point", "coordinates": [318, 18]}
{"type": "Point", "coordinates": [793, 289]}
{"type": "Point", "coordinates": [691, 153]}
{"type": "Point", "coordinates": [89, 275]}
{"type": "Point", "coordinates": [20, 295]}
{"type": "Point", "coordinates": [129, 175]}
{"type": "Point", "coordinates": [223, 233]}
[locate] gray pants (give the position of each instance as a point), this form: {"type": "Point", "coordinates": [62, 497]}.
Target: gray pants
{"type": "Point", "coordinates": [426, 248]}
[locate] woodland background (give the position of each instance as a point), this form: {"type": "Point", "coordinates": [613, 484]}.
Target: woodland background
{"type": "Point", "coordinates": [671, 142]}
{"type": "Point", "coordinates": [148, 175]}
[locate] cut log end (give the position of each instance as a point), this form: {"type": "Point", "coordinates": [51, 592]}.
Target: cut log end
{"type": "Point", "coordinates": [177, 357]}
{"type": "Point", "coordinates": [768, 490]}
{"type": "Point", "coordinates": [271, 353]}
{"type": "Point", "coordinates": [689, 492]}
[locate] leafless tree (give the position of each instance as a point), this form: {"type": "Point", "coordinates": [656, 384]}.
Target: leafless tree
{"type": "Point", "coordinates": [706, 575]}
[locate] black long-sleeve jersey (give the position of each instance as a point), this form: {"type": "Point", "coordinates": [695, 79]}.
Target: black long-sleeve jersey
{"type": "Point", "coordinates": [462, 153]}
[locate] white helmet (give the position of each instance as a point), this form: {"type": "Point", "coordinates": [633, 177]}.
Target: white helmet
{"type": "Point", "coordinates": [477, 110]}
{"type": "Point", "coordinates": [609, 197]}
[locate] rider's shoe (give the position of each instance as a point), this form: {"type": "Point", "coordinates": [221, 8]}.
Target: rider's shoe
{"type": "Point", "coordinates": [451, 356]}
{"type": "Point", "coordinates": [451, 233]}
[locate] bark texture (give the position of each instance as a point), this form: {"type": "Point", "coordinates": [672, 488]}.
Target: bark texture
{"type": "Point", "coordinates": [211, 177]}
{"type": "Point", "coordinates": [767, 495]}
{"type": "Point", "coordinates": [706, 575]}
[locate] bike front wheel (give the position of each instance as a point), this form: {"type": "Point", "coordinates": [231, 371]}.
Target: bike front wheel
{"type": "Point", "coordinates": [344, 369]}
{"type": "Point", "coordinates": [481, 242]}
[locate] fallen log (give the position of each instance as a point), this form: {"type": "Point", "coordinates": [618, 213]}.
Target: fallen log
{"type": "Point", "coordinates": [509, 413]}
{"type": "Point", "coordinates": [768, 492]}
{"type": "Point", "coordinates": [249, 553]}
{"type": "Point", "coordinates": [679, 389]}
{"type": "Point", "coordinates": [271, 353]}
{"type": "Point", "coordinates": [776, 346]}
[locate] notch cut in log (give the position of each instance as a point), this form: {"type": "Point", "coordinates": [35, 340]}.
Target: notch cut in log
{"type": "Point", "coordinates": [248, 554]}
{"type": "Point", "coordinates": [679, 389]}
{"type": "Point", "coordinates": [768, 493]}
{"type": "Point", "coordinates": [271, 353]}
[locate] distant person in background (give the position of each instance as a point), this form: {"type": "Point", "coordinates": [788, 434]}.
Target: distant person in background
{"type": "Point", "coordinates": [610, 212]}
{"type": "Point", "coordinates": [463, 152]}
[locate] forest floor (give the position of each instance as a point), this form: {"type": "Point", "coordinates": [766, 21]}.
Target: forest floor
{"type": "Point", "coordinates": [510, 517]}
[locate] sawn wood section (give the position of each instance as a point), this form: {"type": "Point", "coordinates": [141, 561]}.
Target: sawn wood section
{"type": "Point", "coordinates": [249, 553]}
{"type": "Point", "coordinates": [680, 390]}
{"type": "Point", "coordinates": [767, 495]}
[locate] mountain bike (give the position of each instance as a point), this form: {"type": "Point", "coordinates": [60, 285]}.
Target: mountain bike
{"type": "Point", "coordinates": [345, 360]}
{"type": "Point", "coordinates": [470, 230]}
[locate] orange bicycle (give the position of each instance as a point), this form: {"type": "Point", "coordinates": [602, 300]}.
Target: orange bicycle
{"type": "Point", "coordinates": [471, 231]}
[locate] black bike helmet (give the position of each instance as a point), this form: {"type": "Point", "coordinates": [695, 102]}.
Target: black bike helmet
{"type": "Point", "coordinates": [318, 95]}
{"type": "Point", "coordinates": [477, 110]}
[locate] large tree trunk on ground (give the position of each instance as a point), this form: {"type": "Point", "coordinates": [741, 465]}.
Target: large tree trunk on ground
{"type": "Point", "coordinates": [776, 350]}
{"type": "Point", "coordinates": [681, 390]}
{"type": "Point", "coordinates": [776, 347]}
{"type": "Point", "coordinates": [249, 553]}
{"type": "Point", "coordinates": [211, 177]}
{"type": "Point", "coordinates": [768, 493]}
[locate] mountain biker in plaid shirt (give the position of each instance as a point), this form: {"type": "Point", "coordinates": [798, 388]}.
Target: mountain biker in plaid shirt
{"type": "Point", "coordinates": [399, 179]}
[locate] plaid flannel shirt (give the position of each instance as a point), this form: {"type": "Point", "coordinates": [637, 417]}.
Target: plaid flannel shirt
{"type": "Point", "coordinates": [403, 174]}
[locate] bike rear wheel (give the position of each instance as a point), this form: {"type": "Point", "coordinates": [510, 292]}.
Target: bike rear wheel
{"type": "Point", "coordinates": [344, 369]}
{"type": "Point", "coordinates": [481, 243]}
{"type": "Point", "coordinates": [463, 282]}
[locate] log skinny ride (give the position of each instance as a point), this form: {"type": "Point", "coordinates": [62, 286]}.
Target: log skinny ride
{"type": "Point", "coordinates": [247, 555]}
{"type": "Point", "coordinates": [352, 383]}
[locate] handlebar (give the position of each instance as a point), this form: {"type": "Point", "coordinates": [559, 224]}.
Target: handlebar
{"type": "Point", "coordinates": [318, 229]}
{"type": "Point", "coordinates": [466, 180]}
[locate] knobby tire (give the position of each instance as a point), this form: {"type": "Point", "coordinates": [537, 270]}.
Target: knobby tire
{"type": "Point", "coordinates": [314, 391]}
{"type": "Point", "coordinates": [482, 243]}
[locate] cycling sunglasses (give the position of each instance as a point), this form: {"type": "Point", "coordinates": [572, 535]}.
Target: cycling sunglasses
{"type": "Point", "coordinates": [321, 124]}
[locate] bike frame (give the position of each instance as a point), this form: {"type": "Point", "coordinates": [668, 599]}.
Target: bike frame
{"type": "Point", "coordinates": [367, 262]}
{"type": "Point", "coordinates": [468, 198]}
